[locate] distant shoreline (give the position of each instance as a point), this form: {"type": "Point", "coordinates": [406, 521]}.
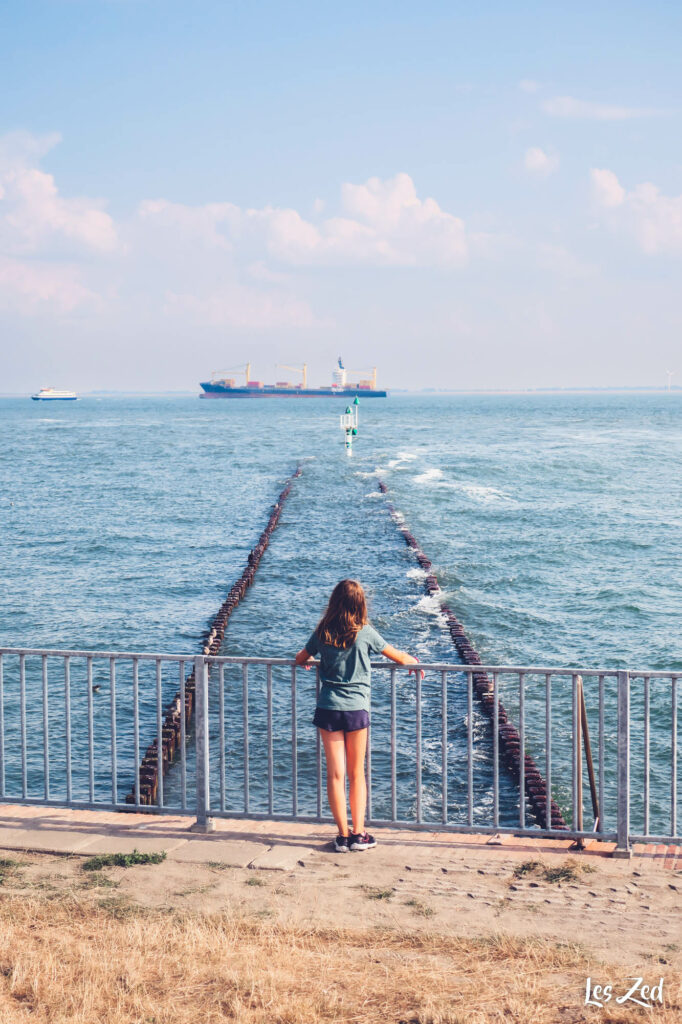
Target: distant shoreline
{"type": "Point", "coordinates": [675, 389]}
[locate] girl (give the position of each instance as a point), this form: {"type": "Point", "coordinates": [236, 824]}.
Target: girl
{"type": "Point", "coordinates": [345, 640]}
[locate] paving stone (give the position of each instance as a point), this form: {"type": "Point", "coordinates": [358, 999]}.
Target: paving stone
{"type": "Point", "coordinates": [129, 842]}
{"type": "Point", "coordinates": [234, 853]}
{"type": "Point", "coordinates": [45, 840]}
{"type": "Point", "coordinates": [282, 858]}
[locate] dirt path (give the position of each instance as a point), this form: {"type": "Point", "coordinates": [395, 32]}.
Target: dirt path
{"type": "Point", "coordinates": [622, 911]}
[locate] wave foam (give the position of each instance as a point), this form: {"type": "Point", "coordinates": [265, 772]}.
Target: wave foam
{"type": "Point", "coordinates": [428, 476]}
{"type": "Point", "coordinates": [429, 605]}
{"type": "Point", "coordinates": [416, 574]}
{"type": "Point", "coordinates": [485, 495]}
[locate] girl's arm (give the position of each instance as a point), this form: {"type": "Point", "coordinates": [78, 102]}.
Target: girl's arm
{"type": "Point", "coordinates": [302, 658]}
{"type": "Point", "coordinates": [401, 658]}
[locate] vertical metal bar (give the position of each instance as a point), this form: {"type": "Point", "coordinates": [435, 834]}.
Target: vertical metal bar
{"type": "Point", "coordinates": [522, 751]}
{"type": "Point", "coordinates": [159, 735]}
{"type": "Point", "coordinates": [221, 731]}
{"type": "Point", "coordinates": [419, 745]}
{"type": "Point", "coordinates": [245, 719]}
{"type": "Point", "coordinates": [470, 749]}
{"type": "Point", "coordinates": [183, 738]}
{"type": "Point", "coordinates": [136, 730]}
{"type": "Point", "coordinates": [22, 711]}
{"type": "Point", "coordinates": [548, 748]}
{"type": "Point", "coordinates": [294, 746]}
{"type": "Point", "coordinates": [602, 765]}
{"type": "Point", "coordinates": [623, 744]}
{"type": "Point", "coordinates": [673, 760]}
{"type": "Point", "coordinates": [369, 765]}
{"type": "Point", "coordinates": [91, 735]}
{"type": "Point", "coordinates": [394, 794]}
{"type": "Point", "coordinates": [578, 818]}
{"type": "Point", "coordinates": [112, 711]}
{"type": "Point", "coordinates": [574, 751]}
{"type": "Point", "coordinates": [574, 756]}
{"type": "Point", "coordinates": [67, 725]}
{"type": "Point", "coordinates": [271, 781]}
{"type": "Point", "coordinates": [2, 726]}
{"type": "Point", "coordinates": [203, 796]}
{"type": "Point", "coordinates": [444, 744]}
{"type": "Point", "coordinates": [496, 750]}
{"type": "Point", "coordinates": [646, 754]}
{"type": "Point", "coordinates": [46, 733]}
{"type": "Point", "coordinates": [318, 747]}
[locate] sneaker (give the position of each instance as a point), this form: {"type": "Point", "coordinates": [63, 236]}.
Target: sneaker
{"type": "Point", "coordinates": [362, 841]}
{"type": "Point", "coordinates": [341, 844]}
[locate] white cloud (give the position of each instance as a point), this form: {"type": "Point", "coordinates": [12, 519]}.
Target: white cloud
{"type": "Point", "coordinates": [606, 188]}
{"type": "Point", "coordinates": [24, 148]}
{"type": "Point", "coordinates": [569, 107]}
{"type": "Point", "coordinates": [33, 215]}
{"type": "Point", "coordinates": [538, 162]}
{"type": "Point", "coordinates": [654, 219]}
{"type": "Point", "coordinates": [37, 214]}
{"type": "Point", "coordinates": [31, 287]}
{"type": "Point", "coordinates": [381, 223]}
{"type": "Point", "coordinates": [529, 85]}
{"type": "Point", "coordinates": [220, 265]}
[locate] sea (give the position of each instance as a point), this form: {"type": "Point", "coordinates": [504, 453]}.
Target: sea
{"type": "Point", "coordinates": [553, 522]}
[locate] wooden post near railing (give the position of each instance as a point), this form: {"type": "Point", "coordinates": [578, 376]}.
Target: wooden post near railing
{"type": "Point", "coordinates": [582, 741]}
{"type": "Point", "coordinates": [588, 757]}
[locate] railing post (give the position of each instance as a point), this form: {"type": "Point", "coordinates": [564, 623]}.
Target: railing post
{"type": "Point", "coordinates": [623, 767]}
{"type": "Point", "coordinates": [204, 822]}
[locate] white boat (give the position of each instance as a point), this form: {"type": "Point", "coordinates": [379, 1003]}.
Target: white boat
{"type": "Point", "coordinates": [53, 395]}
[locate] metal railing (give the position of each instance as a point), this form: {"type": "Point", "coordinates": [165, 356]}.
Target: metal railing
{"type": "Point", "coordinates": [73, 724]}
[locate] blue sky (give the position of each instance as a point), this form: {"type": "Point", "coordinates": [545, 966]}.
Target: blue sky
{"type": "Point", "coordinates": [466, 195]}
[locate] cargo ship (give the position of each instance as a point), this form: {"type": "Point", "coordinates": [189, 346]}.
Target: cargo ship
{"type": "Point", "coordinates": [222, 386]}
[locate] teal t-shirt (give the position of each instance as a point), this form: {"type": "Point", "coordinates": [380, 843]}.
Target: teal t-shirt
{"type": "Point", "coordinates": [345, 672]}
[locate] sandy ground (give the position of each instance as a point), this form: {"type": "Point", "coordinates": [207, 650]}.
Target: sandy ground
{"type": "Point", "coordinates": [459, 930]}
{"type": "Point", "coordinates": [624, 912]}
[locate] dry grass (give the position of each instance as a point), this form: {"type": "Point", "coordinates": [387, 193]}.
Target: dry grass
{"type": "Point", "coordinates": [570, 871]}
{"type": "Point", "coordinates": [79, 959]}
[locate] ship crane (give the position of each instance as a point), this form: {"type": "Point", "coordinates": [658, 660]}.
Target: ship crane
{"type": "Point", "coordinates": [367, 369]}
{"type": "Point", "coordinates": [303, 370]}
{"type": "Point", "coordinates": [244, 368]}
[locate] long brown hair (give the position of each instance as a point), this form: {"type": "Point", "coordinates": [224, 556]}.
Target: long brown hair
{"type": "Point", "coordinates": [345, 616]}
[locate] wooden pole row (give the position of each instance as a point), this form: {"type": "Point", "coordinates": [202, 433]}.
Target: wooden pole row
{"type": "Point", "coordinates": [172, 730]}
{"type": "Point", "coordinates": [509, 739]}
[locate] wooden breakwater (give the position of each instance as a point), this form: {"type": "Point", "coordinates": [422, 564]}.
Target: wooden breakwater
{"type": "Point", "coordinates": [173, 730]}
{"type": "Point", "coordinates": [509, 738]}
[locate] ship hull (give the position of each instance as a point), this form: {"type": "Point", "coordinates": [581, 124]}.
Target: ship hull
{"type": "Point", "coordinates": [220, 391]}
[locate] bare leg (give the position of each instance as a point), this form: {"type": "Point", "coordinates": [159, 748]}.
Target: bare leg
{"type": "Point", "coordinates": [335, 753]}
{"type": "Point", "coordinates": [356, 746]}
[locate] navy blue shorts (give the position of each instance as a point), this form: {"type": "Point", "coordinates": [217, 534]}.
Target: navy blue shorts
{"type": "Point", "coordinates": [340, 721]}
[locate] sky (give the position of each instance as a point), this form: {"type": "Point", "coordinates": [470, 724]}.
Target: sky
{"type": "Point", "coordinates": [464, 195]}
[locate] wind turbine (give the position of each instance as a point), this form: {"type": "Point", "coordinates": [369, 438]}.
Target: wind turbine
{"type": "Point", "coordinates": [671, 374]}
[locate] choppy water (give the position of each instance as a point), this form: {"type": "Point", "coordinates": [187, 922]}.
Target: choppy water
{"type": "Point", "coordinates": [553, 523]}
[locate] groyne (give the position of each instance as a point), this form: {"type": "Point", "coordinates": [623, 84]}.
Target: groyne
{"type": "Point", "coordinates": [509, 739]}
{"type": "Point", "coordinates": [173, 730]}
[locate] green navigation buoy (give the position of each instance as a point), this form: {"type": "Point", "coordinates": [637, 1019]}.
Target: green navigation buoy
{"type": "Point", "coordinates": [349, 424]}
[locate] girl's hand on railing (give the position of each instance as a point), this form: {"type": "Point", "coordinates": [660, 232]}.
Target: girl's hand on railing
{"type": "Point", "coordinates": [418, 672]}
{"type": "Point", "coordinates": [305, 659]}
